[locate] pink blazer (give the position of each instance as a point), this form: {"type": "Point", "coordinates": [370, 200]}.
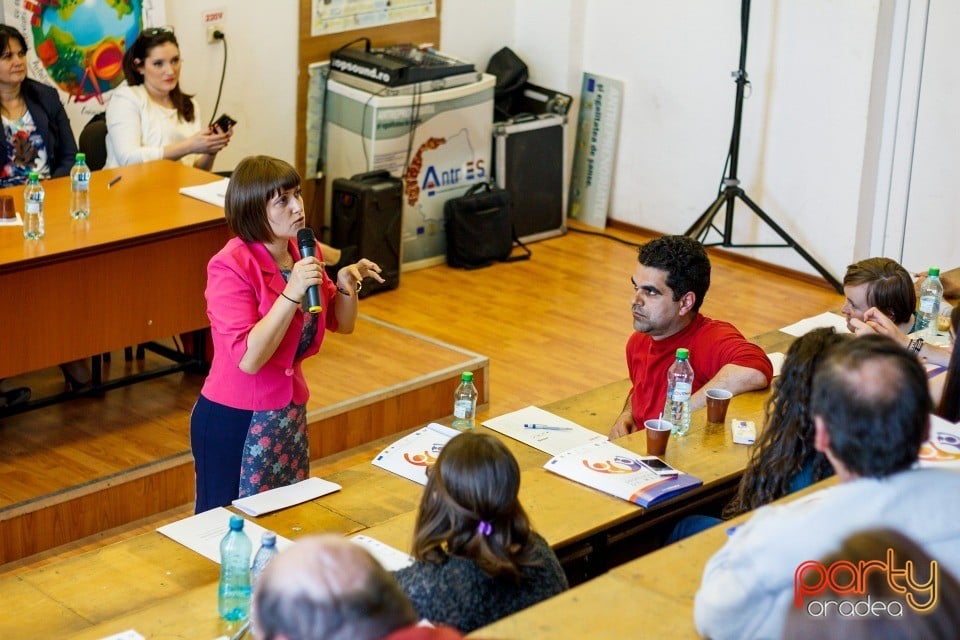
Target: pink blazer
{"type": "Point", "coordinates": [243, 282]}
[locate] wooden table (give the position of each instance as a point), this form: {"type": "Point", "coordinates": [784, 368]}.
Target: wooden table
{"type": "Point", "coordinates": [133, 272]}
{"type": "Point", "coordinates": [156, 586]}
{"type": "Point", "coordinates": [651, 596]}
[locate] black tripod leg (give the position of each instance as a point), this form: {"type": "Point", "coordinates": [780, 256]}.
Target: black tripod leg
{"type": "Point", "coordinates": [698, 230]}
{"type": "Point", "coordinates": [790, 241]}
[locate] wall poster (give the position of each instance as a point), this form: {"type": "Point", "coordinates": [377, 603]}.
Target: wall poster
{"type": "Point", "coordinates": [334, 16]}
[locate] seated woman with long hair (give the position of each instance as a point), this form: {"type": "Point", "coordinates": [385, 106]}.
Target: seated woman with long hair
{"type": "Point", "coordinates": [949, 406]}
{"type": "Point", "coordinates": [783, 459]}
{"type": "Point", "coordinates": [477, 558]}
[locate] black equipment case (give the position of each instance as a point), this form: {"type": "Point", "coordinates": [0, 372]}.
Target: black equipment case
{"type": "Point", "coordinates": [529, 159]}
{"type": "Point", "coordinates": [366, 222]}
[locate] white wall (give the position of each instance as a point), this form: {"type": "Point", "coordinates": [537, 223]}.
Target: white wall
{"type": "Point", "coordinates": [260, 89]}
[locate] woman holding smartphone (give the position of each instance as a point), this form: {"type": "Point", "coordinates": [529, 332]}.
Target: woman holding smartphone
{"type": "Point", "coordinates": [150, 118]}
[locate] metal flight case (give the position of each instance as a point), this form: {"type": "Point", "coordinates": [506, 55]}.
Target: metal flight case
{"type": "Point", "coordinates": [529, 153]}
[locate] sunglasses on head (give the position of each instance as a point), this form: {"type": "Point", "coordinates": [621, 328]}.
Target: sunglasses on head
{"type": "Point", "coordinates": [155, 31]}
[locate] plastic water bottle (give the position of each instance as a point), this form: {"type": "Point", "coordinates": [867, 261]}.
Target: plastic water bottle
{"type": "Point", "coordinates": [931, 294]}
{"type": "Point", "coordinates": [234, 593]}
{"type": "Point", "coordinates": [33, 208]}
{"type": "Point", "coordinates": [679, 389]}
{"type": "Point", "coordinates": [465, 403]}
{"type": "Point", "coordinates": [266, 553]}
{"type": "Point", "coordinates": [80, 188]}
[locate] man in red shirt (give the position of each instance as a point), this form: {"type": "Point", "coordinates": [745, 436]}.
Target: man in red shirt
{"type": "Point", "coordinates": [670, 282]}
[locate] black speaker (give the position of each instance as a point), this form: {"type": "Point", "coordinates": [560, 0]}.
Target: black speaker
{"type": "Point", "coordinates": [366, 222]}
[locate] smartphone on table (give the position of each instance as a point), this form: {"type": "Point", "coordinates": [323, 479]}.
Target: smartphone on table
{"type": "Point", "coordinates": [659, 467]}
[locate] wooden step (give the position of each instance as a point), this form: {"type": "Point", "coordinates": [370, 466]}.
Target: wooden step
{"type": "Point", "coordinates": [126, 455]}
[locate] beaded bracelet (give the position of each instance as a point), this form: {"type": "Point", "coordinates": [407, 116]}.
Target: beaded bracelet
{"type": "Point", "coordinates": [915, 345]}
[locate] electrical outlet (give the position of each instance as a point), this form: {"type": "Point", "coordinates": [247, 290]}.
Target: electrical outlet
{"type": "Point", "coordinates": [212, 29]}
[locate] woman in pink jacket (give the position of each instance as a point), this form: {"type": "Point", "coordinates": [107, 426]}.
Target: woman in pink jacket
{"type": "Point", "coordinates": [248, 428]}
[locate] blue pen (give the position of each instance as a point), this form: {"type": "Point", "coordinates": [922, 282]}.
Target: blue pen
{"type": "Point", "coordinates": [547, 427]}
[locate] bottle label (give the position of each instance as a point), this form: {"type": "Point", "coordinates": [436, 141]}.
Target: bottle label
{"type": "Point", "coordinates": [929, 304]}
{"type": "Point", "coordinates": [463, 409]}
{"type": "Point", "coordinates": [33, 208]}
{"type": "Point", "coordinates": [681, 391]}
{"type": "Point", "coordinates": [81, 185]}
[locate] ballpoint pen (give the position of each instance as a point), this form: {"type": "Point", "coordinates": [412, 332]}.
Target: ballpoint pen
{"type": "Point", "coordinates": [547, 427]}
{"type": "Point", "coordinates": [114, 181]}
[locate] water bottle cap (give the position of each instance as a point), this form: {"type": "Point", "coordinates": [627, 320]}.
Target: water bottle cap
{"type": "Point", "coordinates": [80, 157]}
{"type": "Point", "coordinates": [33, 175]}
{"type": "Point", "coordinates": [934, 271]}
{"type": "Point", "coordinates": [467, 376]}
{"type": "Point", "coordinates": [269, 538]}
{"type": "Point", "coordinates": [236, 523]}
{"type": "Point", "coordinates": [683, 354]}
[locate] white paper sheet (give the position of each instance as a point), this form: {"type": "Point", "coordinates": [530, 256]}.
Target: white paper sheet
{"type": "Point", "coordinates": [826, 319]}
{"type": "Point", "coordinates": [203, 532]}
{"type": "Point", "coordinates": [283, 497]}
{"type": "Point", "coordinates": [390, 558]}
{"type": "Point", "coordinates": [564, 435]}
{"type": "Point", "coordinates": [411, 455]}
{"type": "Point", "coordinates": [212, 192]}
{"type": "Point", "coordinates": [776, 359]}
{"type": "Point", "coordinates": [129, 634]}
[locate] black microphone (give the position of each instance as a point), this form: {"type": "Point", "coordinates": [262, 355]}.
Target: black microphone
{"type": "Point", "coordinates": [308, 247]}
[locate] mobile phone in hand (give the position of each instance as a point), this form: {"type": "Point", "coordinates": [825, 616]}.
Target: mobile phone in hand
{"type": "Point", "coordinates": [224, 122]}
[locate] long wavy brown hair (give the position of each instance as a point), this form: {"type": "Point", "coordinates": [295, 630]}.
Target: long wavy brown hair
{"type": "Point", "coordinates": [949, 408]}
{"type": "Point", "coordinates": [786, 444]}
{"type": "Point", "coordinates": [475, 479]}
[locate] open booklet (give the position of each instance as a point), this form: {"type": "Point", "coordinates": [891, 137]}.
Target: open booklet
{"type": "Point", "coordinates": [943, 447]}
{"type": "Point", "coordinates": [543, 430]}
{"type": "Point", "coordinates": [619, 472]}
{"type": "Point", "coordinates": [411, 455]}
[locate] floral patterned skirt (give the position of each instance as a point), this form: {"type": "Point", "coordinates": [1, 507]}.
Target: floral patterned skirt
{"type": "Point", "coordinates": [276, 452]}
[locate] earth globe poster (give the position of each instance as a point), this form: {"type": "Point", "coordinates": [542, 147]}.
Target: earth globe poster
{"type": "Point", "coordinates": [77, 45]}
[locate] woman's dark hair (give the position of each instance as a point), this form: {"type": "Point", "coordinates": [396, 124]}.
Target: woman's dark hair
{"type": "Point", "coordinates": [889, 287]}
{"type": "Point", "coordinates": [6, 33]}
{"type": "Point", "coordinates": [253, 183]}
{"type": "Point", "coordinates": [786, 445]}
{"type": "Point", "coordinates": [949, 408]}
{"type": "Point", "coordinates": [470, 508]}
{"type": "Point", "coordinates": [137, 54]}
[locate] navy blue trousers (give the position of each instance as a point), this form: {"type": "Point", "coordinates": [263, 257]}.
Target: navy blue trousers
{"type": "Point", "coordinates": [217, 435]}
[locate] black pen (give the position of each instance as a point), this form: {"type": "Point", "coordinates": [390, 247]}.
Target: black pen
{"type": "Point", "coordinates": [113, 182]}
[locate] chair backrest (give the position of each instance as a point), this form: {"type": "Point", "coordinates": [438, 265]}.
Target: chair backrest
{"type": "Point", "coordinates": [93, 141]}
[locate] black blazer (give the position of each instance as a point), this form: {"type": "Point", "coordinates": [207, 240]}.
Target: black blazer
{"type": "Point", "coordinates": [52, 125]}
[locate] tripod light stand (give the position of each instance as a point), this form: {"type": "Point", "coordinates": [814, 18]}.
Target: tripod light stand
{"type": "Point", "coordinates": [731, 189]}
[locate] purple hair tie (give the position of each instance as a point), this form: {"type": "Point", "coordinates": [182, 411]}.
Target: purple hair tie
{"type": "Point", "coordinates": [484, 528]}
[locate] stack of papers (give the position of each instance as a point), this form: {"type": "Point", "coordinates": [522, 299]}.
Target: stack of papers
{"type": "Point", "coordinates": [826, 319]}
{"type": "Point", "coordinates": [411, 455]}
{"type": "Point", "coordinates": [619, 472]}
{"type": "Point", "coordinates": [213, 192]}
{"type": "Point", "coordinates": [390, 558]}
{"type": "Point", "coordinates": [543, 430]}
{"type": "Point", "coordinates": [203, 532]}
{"type": "Point", "coordinates": [283, 497]}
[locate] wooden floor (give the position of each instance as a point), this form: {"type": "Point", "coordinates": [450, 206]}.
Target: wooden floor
{"type": "Point", "coordinates": [552, 327]}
